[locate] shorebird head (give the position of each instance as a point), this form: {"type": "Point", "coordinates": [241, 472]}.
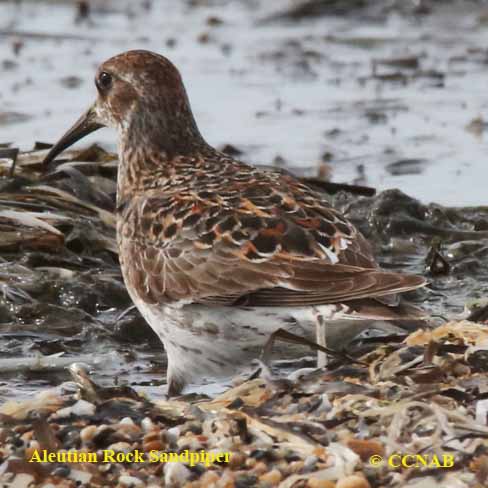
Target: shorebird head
{"type": "Point", "coordinates": [141, 94]}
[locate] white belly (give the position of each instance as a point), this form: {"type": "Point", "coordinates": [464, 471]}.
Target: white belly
{"type": "Point", "coordinates": [206, 343]}
{"type": "Point", "coordinates": [215, 342]}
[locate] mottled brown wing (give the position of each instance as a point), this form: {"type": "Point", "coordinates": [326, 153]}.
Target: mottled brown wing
{"type": "Point", "coordinates": [276, 243]}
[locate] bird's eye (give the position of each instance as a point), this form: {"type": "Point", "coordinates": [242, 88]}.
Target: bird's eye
{"type": "Point", "coordinates": [104, 80]}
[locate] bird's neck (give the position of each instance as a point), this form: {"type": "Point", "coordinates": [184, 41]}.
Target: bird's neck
{"type": "Point", "coordinates": [161, 161]}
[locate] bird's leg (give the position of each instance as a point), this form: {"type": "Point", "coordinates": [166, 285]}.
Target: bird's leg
{"type": "Point", "coordinates": [320, 335]}
{"type": "Point", "coordinates": [175, 386]}
{"type": "Point", "coordinates": [285, 336]}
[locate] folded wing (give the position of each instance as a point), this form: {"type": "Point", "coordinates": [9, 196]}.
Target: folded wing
{"type": "Point", "coordinates": [272, 245]}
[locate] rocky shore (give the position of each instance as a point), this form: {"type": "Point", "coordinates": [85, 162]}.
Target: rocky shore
{"type": "Point", "coordinates": [410, 412]}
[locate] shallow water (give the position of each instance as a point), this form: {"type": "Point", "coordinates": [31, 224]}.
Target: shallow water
{"type": "Point", "coordinates": [386, 99]}
{"type": "Point", "coordinates": [292, 89]}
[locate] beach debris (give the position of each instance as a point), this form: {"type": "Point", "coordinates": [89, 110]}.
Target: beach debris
{"type": "Point", "coordinates": [324, 428]}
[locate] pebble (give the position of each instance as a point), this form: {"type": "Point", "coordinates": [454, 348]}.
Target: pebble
{"type": "Point", "coordinates": [152, 441]}
{"type": "Point", "coordinates": [82, 476]}
{"type": "Point", "coordinates": [176, 474]}
{"type": "Point", "coordinates": [62, 471]}
{"type": "Point", "coordinates": [29, 452]}
{"type": "Point", "coordinates": [130, 481]}
{"type": "Point", "coordinates": [296, 467]}
{"type": "Point", "coordinates": [310, 462]}
{"type": "Point", "coordinates": [70, 437]}
{"type": "Point", "coordinates": [34, 445]}
{"type": "Point", "coordinates": [147, 424]}
{"type": "Point", "coordinates": [127, 421]}
{"type": "Point", "coordinates": [87, 433]}
{"type": "Point", "coordinates": [366, 448]}
{"type": "Point", "coordinates": [227, 480]}
{"type": "Point", "coordinates": [189, 442]}
{"type": "Point", "coordinates": [250, 462]}
{"type": "Point", "coordinates": [4, 434]}
{"type": "Point", "coordinates": [353, 481]}
{"type": "Point", "coordinates": [173, 434]}
{"type": "Point", "coordinates": [102, 434]}
{"type": "Point", "coordinates": [245, 480]}
{"type": "Point", "coordinates": [260, 468]}
{"type": "Point", "coordinates": [271, 478]}
{"type": "Point", "coordinates": [120, 447]}
{"type": "Point", "coordinates": [27, 436]}
{"type": "Point", "coordinates": [236, 460]}
{"type": "Point", "coordinates": [208, 478]}
{"type": "Point", "coordinates": [192, 427]}
{"type": "Point", "coordinates": [129, 432]}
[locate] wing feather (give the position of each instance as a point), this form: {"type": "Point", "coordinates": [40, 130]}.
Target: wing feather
{"type": "Point", "coordinates": [279, 243]}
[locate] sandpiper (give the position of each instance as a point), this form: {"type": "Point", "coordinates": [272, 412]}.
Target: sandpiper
{"type": "Point", "coordinates": [217, 254]}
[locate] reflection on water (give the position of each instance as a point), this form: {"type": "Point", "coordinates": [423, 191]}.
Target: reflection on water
{"type": "Point", "coordinates": [367, 89]}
